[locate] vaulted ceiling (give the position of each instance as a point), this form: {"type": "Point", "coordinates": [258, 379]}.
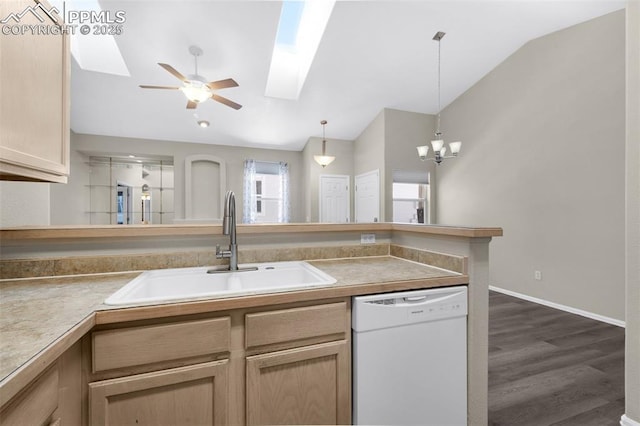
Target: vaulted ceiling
{"type": "Point", "coordinates": [374, 55]}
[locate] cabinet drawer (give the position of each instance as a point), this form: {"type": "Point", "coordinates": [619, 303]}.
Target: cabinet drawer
{"type": "Point", "coordinates": [136, 346]}
{"type": "Point", "coordinates": [296, 324]}
{"type": "Point", "coordinates": [36, 405]}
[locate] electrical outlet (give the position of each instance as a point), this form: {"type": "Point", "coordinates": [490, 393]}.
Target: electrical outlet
{"type": "Point", "coordinates": [537, 275]}
{"type": "Point", "coordinates": [367, 238]}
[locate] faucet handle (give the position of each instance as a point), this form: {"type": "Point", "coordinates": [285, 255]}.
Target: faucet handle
{"type": "Point", "coordinates": [222, 254]}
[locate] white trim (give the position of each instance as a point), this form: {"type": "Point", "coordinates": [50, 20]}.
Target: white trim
{"type": "Point", "coordinates": [626, 421]}
{"type": "Point", "coordinates": [565, 308]}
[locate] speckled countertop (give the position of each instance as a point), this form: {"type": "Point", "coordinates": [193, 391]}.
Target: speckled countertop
{"type": "Point", "coordinates": [35, 314]}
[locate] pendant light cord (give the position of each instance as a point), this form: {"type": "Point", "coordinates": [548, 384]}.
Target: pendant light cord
{"type": "Point", "coordinates": [324, 141]}
{"type": "Point", "coordinates": [438, 124]}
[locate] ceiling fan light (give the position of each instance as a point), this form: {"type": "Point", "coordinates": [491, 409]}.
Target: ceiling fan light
{"type": "Point", "coordinates": [195, 91]}
{"type": "Point", "coordinates": [324, 160]}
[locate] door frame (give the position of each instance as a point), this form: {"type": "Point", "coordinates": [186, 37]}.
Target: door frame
{"type": "Point", "coordinates": [348, 179]}
{"type": "Point", "coordinates": [128, 212]}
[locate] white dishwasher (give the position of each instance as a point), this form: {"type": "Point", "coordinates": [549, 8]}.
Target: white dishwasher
{"type": "Point", "coordinates": [410, 358]}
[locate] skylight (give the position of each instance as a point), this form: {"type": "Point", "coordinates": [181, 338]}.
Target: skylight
{"type": "Point", "coordinates": [93, 52]}
{"type": "Point", "coordinates": [301, 27]}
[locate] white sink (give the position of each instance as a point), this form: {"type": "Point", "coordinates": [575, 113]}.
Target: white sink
{"type": "Point", "coordinates": [190, 283]}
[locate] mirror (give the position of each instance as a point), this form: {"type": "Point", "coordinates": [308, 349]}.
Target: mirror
{"type": "Point", "coordinates": [98, 177]}
{"type": "Point", "coordinates": [92, 196]}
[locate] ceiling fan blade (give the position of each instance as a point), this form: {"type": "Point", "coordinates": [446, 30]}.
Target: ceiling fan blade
{"type": "Point", "coordinates": [222, 84]}
{"type": "Point", "coordinates": [144, 86]}
{"type": "Point", "coordinates": [226, 101]}
{"type": "Point", "coordinates": [173, 71]}
{"type": "Point", "coordinates": [191, 105]}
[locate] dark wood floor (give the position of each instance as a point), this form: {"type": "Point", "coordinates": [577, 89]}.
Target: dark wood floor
{"type": "Point", "coordinates": [549, 367]}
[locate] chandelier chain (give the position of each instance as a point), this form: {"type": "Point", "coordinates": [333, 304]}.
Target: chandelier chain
{"type": "Point", "coordinates": [438, 123]}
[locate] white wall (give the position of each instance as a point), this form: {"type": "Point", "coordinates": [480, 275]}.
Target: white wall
{"type": "Point", "coordinates": [632, 354]}
{"type": "Point", "coordinates": [543, 157]}
{"type": "Point", "coordinates": [70, 202]}
{"type": "Point", "coordinates": [24, 204]}
{"type": "Point", "coordinates": [342, 165]}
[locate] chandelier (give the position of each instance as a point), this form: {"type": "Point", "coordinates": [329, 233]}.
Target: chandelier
{"type": "Point", "coordinates": [439, 150]}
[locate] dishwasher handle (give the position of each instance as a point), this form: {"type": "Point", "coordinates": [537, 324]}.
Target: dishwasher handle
{"type": "Point", "coordinates": [415, 299]}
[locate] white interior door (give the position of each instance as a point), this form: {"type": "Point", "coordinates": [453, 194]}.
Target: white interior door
{"type": "Point", "coordinates": [367, 197]}
{"type": "Point", "coordinates": [334, 199]}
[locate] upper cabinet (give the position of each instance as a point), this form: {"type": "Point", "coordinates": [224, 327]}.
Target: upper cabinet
{"type": "Point", "coordinates": [34, 83]}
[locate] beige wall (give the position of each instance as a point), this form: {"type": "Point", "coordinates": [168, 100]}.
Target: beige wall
{"type": "Point", "coordinates": [404, 131]}
{"type": "Point", "coordinates": [234, 157]}
{"type": "Point", "coordinates": [543, 157]}
{"type": "Point", "coordinates": [368, 154]}
{"type": "Point", "coordinates": [342, 165]}
{"type": "Point", "coordinates": [632, 355]}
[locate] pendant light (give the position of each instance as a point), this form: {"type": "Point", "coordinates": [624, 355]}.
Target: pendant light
{"type": "Point", "coordinates": [439, 150]}
{"type": "Point", "coordinates": [324, 160]}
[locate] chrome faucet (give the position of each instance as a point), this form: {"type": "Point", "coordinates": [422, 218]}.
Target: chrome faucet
{"type": "Point", "coordinates": [229, 228]}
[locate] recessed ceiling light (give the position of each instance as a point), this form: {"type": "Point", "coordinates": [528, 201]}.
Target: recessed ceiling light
{"type": "Point", "coordinates": [203, 123]}
{"type": "Point", "coordinates": [132, 156]}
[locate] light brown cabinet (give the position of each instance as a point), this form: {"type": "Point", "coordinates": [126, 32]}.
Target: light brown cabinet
{"type": "Point", "coordinates": [308, 385]}
{"type": "Point", "coordinates": [53, 398]}
{"type": "Point", "coordinates": [192, 395]}
{"type": "Point", "coordinates": [301, 370]}
{"type": "Point", "coordinates": [34, 106]}
{"type": "Point", "coordinates": [171, 373]}
{"type": "Point", "coordinates": [284, 364]}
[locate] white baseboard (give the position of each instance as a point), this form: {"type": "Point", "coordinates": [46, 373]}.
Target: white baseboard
{"type": "Point", "coordinates": [569, 309]}
{"type": "Point", "coordinates": [626, 421]}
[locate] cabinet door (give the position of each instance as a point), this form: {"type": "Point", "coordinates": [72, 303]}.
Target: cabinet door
{"type": "Point", "coordinates": [308, 385]}
{"type": "Point", "coordinates": [34, 106]}
{"type": "Point", "coordinates": [36, 405]}
{"type": "Point", "coordinates": [193, 395]}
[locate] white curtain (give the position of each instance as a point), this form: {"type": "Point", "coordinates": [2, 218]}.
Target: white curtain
{"type": "Point", "coordinates": [283, 214]}
{"type": "Point", "coordinates": [249, 193]}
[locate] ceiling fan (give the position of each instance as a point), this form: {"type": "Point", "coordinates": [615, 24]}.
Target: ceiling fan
{"type": "Point", "coordinates": [195, 87]}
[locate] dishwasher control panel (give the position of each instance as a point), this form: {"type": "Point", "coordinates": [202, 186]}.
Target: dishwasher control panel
{"type": "Point", "coordinates": [388, 310]}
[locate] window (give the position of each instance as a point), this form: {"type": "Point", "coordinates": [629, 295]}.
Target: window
{"type": "Point", "coordinates": [259, 196]}
{"type": "Point", "coordinates": [266, 192]}
{"type": "Point", "coordinates": [410, 202]}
